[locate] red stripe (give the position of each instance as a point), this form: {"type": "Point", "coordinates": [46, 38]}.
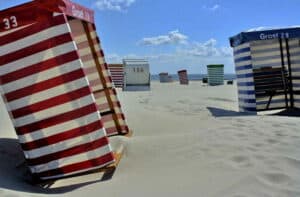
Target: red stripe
{"type": "Point", "coordinates": [114, 131]}
{"type": "Point", "coordinates": [85, 165]}
{"type": "Point", "coordinates": [69, 152]}
{"type": "Point", "coordinates": [35, 48]}
{"type": "Point", "coordinates": [111, 131]}
{"type": "Point", "coordinates": [44, 85]}
{"type": "Point", "coordinates": [64, 117]}
{"type": "Point", "coordinates": [54, 101]}
{"type": "Point", "coordinates": [39, 67]}
{"type": "Point", "coordinates": [32, 29]}
{"type": "Point", "coordinates": [89, 128]}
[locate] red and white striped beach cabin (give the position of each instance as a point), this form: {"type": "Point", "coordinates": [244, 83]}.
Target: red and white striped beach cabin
{"type": "Point", "coordinates": [183, 77]}
{"type": "Point", "coordinates": [117, 74]}
{"type": "Point", "coordinates": [57, 88]}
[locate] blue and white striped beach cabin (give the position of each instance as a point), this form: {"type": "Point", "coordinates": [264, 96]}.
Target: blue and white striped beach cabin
{"type": "Point", "coordinates": [267, 65]}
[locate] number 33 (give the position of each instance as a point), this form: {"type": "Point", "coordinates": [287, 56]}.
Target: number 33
{"type": "Point", "coordinates": [11, 22]}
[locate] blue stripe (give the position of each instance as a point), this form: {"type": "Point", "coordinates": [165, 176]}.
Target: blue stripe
{"type": "Point", "coordinates": [296, 85]}
{"type": "Point", "coordinates": [296, 69]}
{"type": "Point", "coordinates": [247, 75]}
{"type": "Point", "coordinates": [297, 53]}
{"type": "Point", "coordinates": [245, 84]}
{"type": "Point", "coordinates": [295, 61]}
{"type": "Point", "coordinates": [243, 100]}
{"type": "Point", "coordinates": [251, 109]}
{"type": "Point", "coordinates": [243, 50]}
{"type": "Point", "coordinates": [242, 59]}
{"type": "Point", "coordinates": [246, 67]}
{"type": "Point", "coordinates": [246, 92]}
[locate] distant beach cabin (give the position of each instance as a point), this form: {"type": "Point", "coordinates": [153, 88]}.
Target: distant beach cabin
{"type": "Point", "coordinates": [183, 77]}
{"type": "Point", "coordinates": [215, 74]}
{"type": "Point", "coordinates": [164, 77]}
{"type": "Point", "coordinates": [267, 65]}
{"type": "Point", "coordinates": [117, 74]}
{"type": "Point", "coordinates": [136, 75]}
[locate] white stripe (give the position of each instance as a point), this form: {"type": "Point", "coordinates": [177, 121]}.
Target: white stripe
{"type": "Point", "coordinates": [265, 47]}
{"type": "Point", "coordinates": [37, 57]}
{"type": "Point", "coordinates": [242, 46]}
{"type": "Point", "coordinates": [84, 51]}
{"type": "Point", "coordinates": [264, 54]}
{"type": "Point", "coordinates": [252, 105]}
{"type": "Point", "coordinates": [246, 71]}
{"type": "Point", "coordinates": [34, 39]}
{"type": "Point", "coordinates": [248, 88]}
{"type": "Point", "coordinates": [49, 93]}
{"type": "Point", "coordinates": [56, 14]}
{"type": "Point", "coordinates": [89, 64]}
{"type": "Point", "coordinates": [109, 123]}
{"type": "Point", "coordinates": [93, 76]}
{"type": "Point", "coordinates": [266, 61]}
{"type": "Point", "coordinates": [97, 87]}
{"type": "Point", "coordinates": [247, 96]}
{"type": "Point", "coordinates": [246, 79]}
{"type": "Point", "coordinates": [14, 29]}
{"type": "Point", "coordinates": [66, 144]}
{"type": "Point", "coordinates": [240, 55]}
{"type": "Point", "coordinates": [243, 63]}
{"type": "Point", "coordinates": [50, 112]}
{"type": "Point", "coordinates": [59, 128]}
{"type": "Point", "coordinates": [72, 159]}
{"type": "Point", "coordinates": [42, 76]}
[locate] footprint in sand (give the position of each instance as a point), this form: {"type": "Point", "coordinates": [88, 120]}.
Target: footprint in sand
{"type": "Point", "coordinates": [275, 178]}
{"type": "Point", "coordinates": [272, 141]}
{"type": "Point", "coordinates": [241, 161]}
{"type": "Point", "coordinates": [292, 162]}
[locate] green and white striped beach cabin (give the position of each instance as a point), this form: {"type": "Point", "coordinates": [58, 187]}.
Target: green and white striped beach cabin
{"type": "Point", "coordinates": [215, 74]}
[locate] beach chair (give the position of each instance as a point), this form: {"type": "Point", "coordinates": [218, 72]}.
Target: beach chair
{"type": "Point", "coordinates": [56, 84]}
{"type": "Point", "coordinates": [270, 82]}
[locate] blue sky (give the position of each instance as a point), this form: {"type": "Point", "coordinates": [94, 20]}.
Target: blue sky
{"type": "Point", "coordinates": [181, 34]}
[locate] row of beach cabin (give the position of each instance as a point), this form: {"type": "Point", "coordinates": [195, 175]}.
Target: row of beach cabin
{"type": "Point", "coordinates": [60, 95]}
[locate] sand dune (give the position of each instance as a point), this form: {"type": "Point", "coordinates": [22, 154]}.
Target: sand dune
{"type": "Point", "coordinates": [188, 141]}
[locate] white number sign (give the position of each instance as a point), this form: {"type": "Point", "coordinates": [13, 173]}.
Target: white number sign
{"type": "Point", "coordinates": [10, 22]}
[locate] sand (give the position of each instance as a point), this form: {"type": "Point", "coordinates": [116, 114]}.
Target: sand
{"type": "Point", "coordinates": [188, 141]}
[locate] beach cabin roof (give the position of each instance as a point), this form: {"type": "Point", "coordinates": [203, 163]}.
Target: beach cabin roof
{"type": "Point", "coordinates": [244, 37]}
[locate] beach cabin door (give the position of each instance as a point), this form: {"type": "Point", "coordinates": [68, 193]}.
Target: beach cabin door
{"type": "Point", "coordinates": [272, 72]}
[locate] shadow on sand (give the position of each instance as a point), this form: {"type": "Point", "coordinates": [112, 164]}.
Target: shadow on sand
{"type": "Point", "coordinates": [288, 112]}
{"type": "Point", "coordinates": [15, 175]}
{"type": "Point", "coordinates": [218, 112]}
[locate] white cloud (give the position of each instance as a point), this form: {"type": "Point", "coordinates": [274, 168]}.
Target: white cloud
{"type": "Point", "coordinates": [212, 8]}
{"type": "Point", "coordinates": [173, 37]}
{"type": "Point", "coordinates": [114, 5]}
{"type": "Point", "coordinates": [192, 55]}
{"type": "Point", "coordinates": [207, 49]}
